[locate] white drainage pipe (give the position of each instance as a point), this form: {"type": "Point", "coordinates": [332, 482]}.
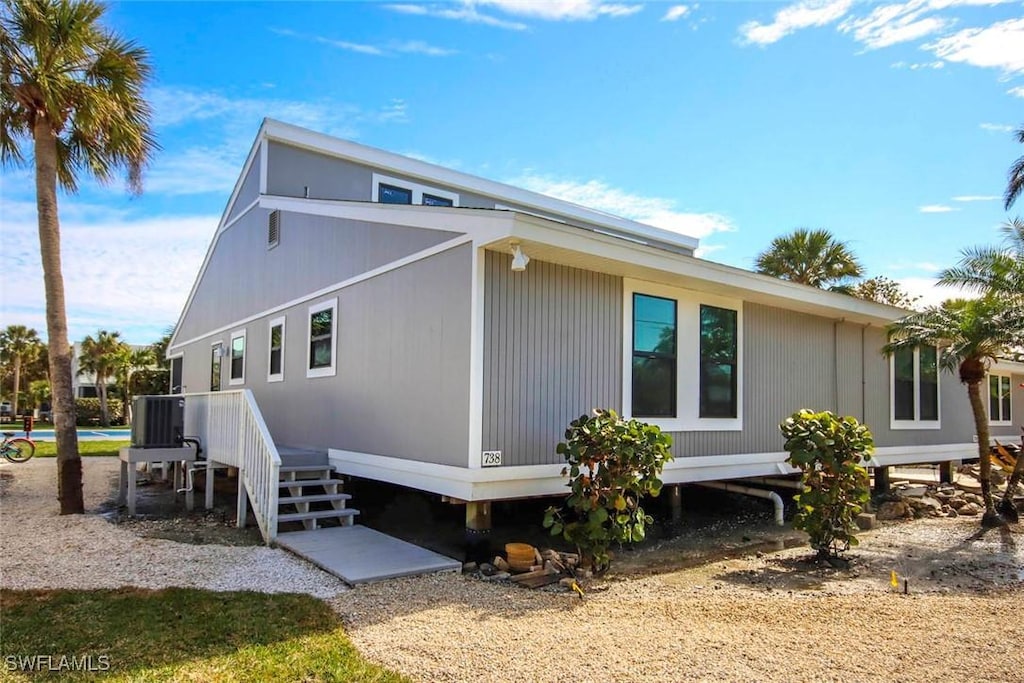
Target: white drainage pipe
{"type": "Point", "coordinates": [775, 498]}
{"type": "Point", "coordinates": [773, 481]}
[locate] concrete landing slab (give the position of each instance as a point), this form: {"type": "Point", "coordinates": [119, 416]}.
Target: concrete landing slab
{"type": "Point", "coordinates": [357, 554]}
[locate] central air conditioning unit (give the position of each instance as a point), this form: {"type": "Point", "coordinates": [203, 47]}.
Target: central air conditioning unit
{"type": "Point", "coordinates": [158, 421]}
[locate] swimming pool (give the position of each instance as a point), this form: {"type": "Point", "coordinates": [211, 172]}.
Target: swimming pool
{"type": "Point", "coordinates": [83, 434]}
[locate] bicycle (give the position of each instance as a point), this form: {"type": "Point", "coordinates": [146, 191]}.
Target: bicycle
{"type": "Point", "coordinates": [17, 449]}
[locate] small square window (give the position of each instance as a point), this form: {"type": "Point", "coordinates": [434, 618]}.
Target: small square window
{"type": "Point", "coordinates": [322, 336]}
{"type": "Point", "coordinates": [389, 194]}
{"type": "Point", "coordinates": [237, 374]}
{"type": "Point", "coordinates": [999, 399]}
{"type": "Point", "coordinates": [275, 360]}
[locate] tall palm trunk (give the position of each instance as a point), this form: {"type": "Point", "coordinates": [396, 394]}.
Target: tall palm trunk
{"type": "Point", "coordinates": [1007, 508]}
{"type": "Point", "coordinates": [991, 517]}
{"type": "Point", "coordinates": [101, 388]}
{"type": "Point", "coordinates": [69, 464]}
{"type": "Point", "coordinates": [17, 386]}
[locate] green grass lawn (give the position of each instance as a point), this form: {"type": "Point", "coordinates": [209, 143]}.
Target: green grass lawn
{"type": "Point", "coordinates": [48, 449]}
{"type": "Point", "coordinates": [183, 634]}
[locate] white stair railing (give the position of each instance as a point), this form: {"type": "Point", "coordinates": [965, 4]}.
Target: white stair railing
{"type": "Point", "coordinates": [232, 431]}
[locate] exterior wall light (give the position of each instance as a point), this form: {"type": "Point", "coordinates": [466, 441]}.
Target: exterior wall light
{"type": "Point", "coordinates": [519, 259]}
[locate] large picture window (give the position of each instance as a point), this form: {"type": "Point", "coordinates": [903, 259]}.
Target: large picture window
{"type": "Point", "coordinates": [999, 399]}
{"type": "Point", "coordinates": [323, 326]}
{"type": "Point", "coordinates": [682, 358]}
{"type": "Point", "coordinates": [237, 375]}
{"type": "Point", "coordinates": [275, 344]}
{"type": "Point", "coordinates": [719, 353]}
{"type": "Point", "coordinates": [915, 388]}
{"type": "Point", "coordinates": [654, 356]}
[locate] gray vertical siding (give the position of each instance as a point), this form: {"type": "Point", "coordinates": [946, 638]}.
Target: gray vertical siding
{"type": "Point", "coordinates": [552, 351]}
{"type": "Point", "coordinates": [402, 382]}
{"type": "Point", "coordinates": [243, 277]}
{"type": "Point", "coordinates": [293, 170]}
{"type": "Point", "coordinates": [551, 334]}
{"type": "Point", "coordinates": [250, 189]}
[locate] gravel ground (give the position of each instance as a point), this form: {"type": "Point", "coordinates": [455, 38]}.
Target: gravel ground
{"type": "Point", "coordinates": [40, 549]}
{"type": "Point", "coordinates": [745, 614]}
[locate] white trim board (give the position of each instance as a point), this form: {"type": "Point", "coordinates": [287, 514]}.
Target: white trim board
{"type": "Point", "coordinates": [354, 280]}
{"type": "Point", "coordinates": [501, 483]}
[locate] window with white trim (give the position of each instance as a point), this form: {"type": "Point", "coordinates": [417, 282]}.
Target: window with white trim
{"type": "Point", "coordinates": [999, 398]}
{"type": "Point", "coordinates": [388, 190]}
{"type": "Point", "coordinates": [275, 355]}
{"type": "Point", "coordinates": [237, 373]}
{"type": "Point", "coordinates": [914, 375]}
{"type": "Point", "coordinates": [322, 334]}
{"type": "Point", "coordinates": [216, 352]}
{"type": "Point", "coordinates": [682, 355]}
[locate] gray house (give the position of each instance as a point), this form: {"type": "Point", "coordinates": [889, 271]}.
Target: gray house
{"type": "Point", "coordinates": [436, 330]}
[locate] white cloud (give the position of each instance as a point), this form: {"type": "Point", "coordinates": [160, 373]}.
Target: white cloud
{"type": "Point", "coordinates": [929, 291]}
{"type": "Point", "coordinates": [976, 198]}
{"type": "Point", "coordinates": [467, 14]}
{"type": "Point", "coordinates": [418, 47]}
{"type": "Point", "coordinates": [937, 208]}
{"type": "Point", "coordinates": [892, 24]}
{"type": "Point", "coordinates": [999, 46]}
{"type": "Point", "coordinates": [561, 10]}
{"type": "Point", "coordinates": [914, 66]}
{"type": "Point", "coordinates": [1016, 92]}
{"type": "Point", "coordinates": [792, 18]}
{"type": "Point", "coordinates": [657, 211]}
{"type": "Point", "coordinates": [996, 127]}
{"type": "Point", "coordinates": [121, 272]}
{"type": "Point", "coordinates": [676, 12]}
{"type": "Point", "coordinates": [548, 10]}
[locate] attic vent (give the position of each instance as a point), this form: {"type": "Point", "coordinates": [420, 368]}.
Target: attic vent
{"type": "Point", "coordinates": [273, 229]}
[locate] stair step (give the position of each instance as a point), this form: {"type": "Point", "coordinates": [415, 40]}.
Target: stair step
{"type": "Point", "coordinates": [321, 498]}
{"type": "Point", "coordinates": [307, 468]}
{"type": "Point", "coordinates": [310, 482]}
{"type": "Point", "coordinates": [317, 514]}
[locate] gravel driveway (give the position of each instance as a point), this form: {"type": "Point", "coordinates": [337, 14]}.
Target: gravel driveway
{"type": "Point", "coordinates": [40, 549]}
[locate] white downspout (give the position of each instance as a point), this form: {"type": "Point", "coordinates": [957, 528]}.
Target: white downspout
{"type": "Point", "coordinates": [775, 498]}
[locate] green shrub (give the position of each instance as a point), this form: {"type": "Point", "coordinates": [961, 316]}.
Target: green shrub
{"type": "Point", "coordinates": [612, 465]}
{"type": "Point", "coordinates": [88, 411]}
{"type": "Point", "coordinates": [829, 452]}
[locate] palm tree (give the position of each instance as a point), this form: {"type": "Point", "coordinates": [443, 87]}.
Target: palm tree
{"type": "Point", "coordinates": [810, 257]}
{"type": "Point", "coordinates": [128, 361]}
{"type": "Point", "coordinates": [992, 270]}
{"type": "Point", "coordinates": [72, 90]}
{"type": "Point", "coordinates": [101, 356]}
{"type": "Point", "coordinates": [970, 334]}
{"type": "Point", "coordinates": [1015, 178]}
{"type": "Point", "coordinates": [997, 272]}
{"type": "Point", "coordinates": [18, 345]}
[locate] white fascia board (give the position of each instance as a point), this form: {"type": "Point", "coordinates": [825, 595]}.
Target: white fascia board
{"type": "Point", "coordinates": [504, 483]}
{"type": "Point", "coordinates": [481, 224]}
{"type": "Point", "coordinates": [378, 158]}
{"type": "Point", "coordinates": [639, 261]}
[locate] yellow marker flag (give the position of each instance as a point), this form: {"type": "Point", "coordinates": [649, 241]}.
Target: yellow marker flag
{"type": "Point", "coordinates": [893, 580]}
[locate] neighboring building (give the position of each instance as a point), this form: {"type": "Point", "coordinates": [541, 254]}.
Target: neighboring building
{"type": "Point", "coordinates": [84, 385]}
{"type": "Point", "coordinates": [382, 309]}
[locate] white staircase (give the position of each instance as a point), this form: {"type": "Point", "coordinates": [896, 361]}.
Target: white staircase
{"type": "Point", "coordinates": [308, 492]}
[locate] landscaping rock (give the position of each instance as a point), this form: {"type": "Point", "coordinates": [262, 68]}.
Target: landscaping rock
{"type": "Point", "coordinates": [969, 510]}
{"type": "Point", "coordinates": [866, 521]}
{"type": "Point", "coordinates": [893, 509]}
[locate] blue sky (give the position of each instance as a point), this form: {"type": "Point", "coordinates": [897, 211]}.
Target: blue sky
{"type": "Point", "coordinates": [888, 124]}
